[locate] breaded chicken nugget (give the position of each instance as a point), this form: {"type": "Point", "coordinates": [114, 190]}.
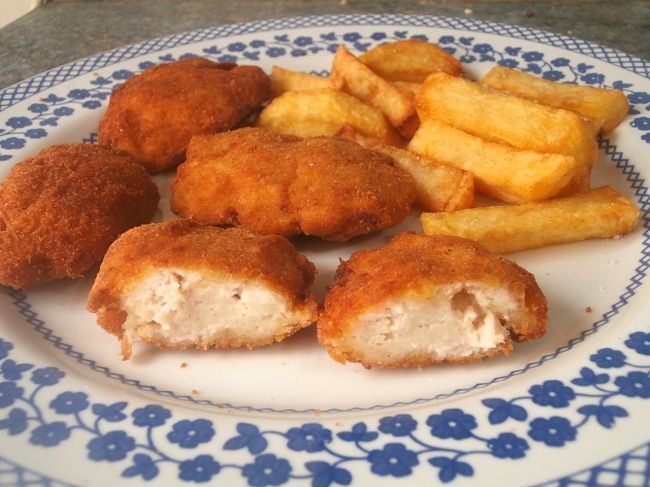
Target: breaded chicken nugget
{"type": "Point", "coordinates": [283, 184]}
{"type": "Point", "coordinates": [181, 285]}
{"type": "Point", "coordinates": [61, 209]}
{"type": "Point", "coordinates": [421, 300]}
{"type": "Point", "coordinates": [153, 115]}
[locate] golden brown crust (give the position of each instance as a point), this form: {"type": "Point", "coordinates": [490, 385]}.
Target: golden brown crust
{"type": "Point", "coordinates": [61, 209]}
{"type": "Point", "coordinates": [410, 264]}
{"type": "Point", "coordinates": [234, 252]}
{"type": "Point", "coordinates": [274, 183]}
{"type": "Point", "coordinates": [153, 115]}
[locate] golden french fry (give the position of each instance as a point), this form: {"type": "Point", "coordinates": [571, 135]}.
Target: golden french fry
{"type": "Point", "coordinates": [408, 87]}
{"type": "Point", "coordinates": [325, 112]}
{"type": "Point", "coordinates": [501, 171]}
{"type": "Point", "coordinates": [607, 107]}
{"type": "Point", "coordinates": [283, 79]}
{"type": "Point", "coordinates": [598, 213]}
{"type": "Point", "coordinates": [352, 76]}
{"type": "Point", "coordinates": [438, 187]}
{"type": "Point", "coordinates": [410, 60]}
{"type": "Point", "coordinates": [507, 119]}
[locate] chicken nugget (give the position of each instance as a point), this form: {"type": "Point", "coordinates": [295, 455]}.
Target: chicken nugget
{"type": "Point", "coordinates": [61, 209]}
{"type": "Point", "coordinates": [181, 285]}
{"type": "Point", "coordinates": [153, 115]}
{"type": "Point", "coordinates": [421, 300]}
{"type": "Point", "coordinates": [283, 184]}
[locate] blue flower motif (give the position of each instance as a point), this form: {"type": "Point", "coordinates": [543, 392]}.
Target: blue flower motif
{"type": "Point", "coordinates": [276, 51]}
{"type": "Point", "coordinates": [122, 74]}
{"type": "Point", "coordinates": [560, 62]}
{"type": "Point", "coordinates": [634, 384]}
{"type": "Point", "coordinates": [393, 459]}
{"type": "Point", "coordinates": [92, 104]}
{"type": "Point", "coordinates": [52, 98]}
{"type": "Point", "coordinates": [146, 64]}
{"type": "Point", "coordinates": [593, 78]}
{"type": "Point", "coordinates": [254, 55]}
{"type": "Point", "coordinates": [554, 431]}
{"type": "Point", "coordinates": [352, 37]}
{"type": "Point", "coordinates": [152, 415]}
{"type": "Point", "coordinates": [249, 437]}
{"type": "Point", "coordinates": [18, 122]}
{"type": "Point", "coordinates": [452, 423]}
{"type": "Point", "coordinates": [332, 48]}
{"type": "Point", "coordinates": [466, 58]}
{"type": "Point", "coordinates": [639, 97]}
{"type": "Point", "coordinates": [70, 402]}
{"type": "Point", "coordinates": [50, 434]}
{"type": "Point", "coordinates": [359, 433]}
{"type": "Point", "coordinates": [641, 123]}
{"type": "Point", "coordinates": [533, 68]}
{"type": "Point", "coordinates": [589, 378]}
{"type": "Point", "coordinates": [508, 63]}
{"type": "Point", "coordinates": [143, 465]}
{"type": "Point", "coordinates": [620, 85]}
{"type": "Point", "coordinates": [15, 423]}
{"type": "Point", "coordinates": [227, 58]}
{"type": "Point", "coordinates": [466, 41]}
{"type": "Point", "coordinates": [605, 415]}
{"type": "Point", "coordinates": [508, 445]}
{"type": "Point", "coordinates": [112, 446]}
{"type": "Point", "coordinates": [101, 81]}
{"type": "Point", "coordinates": [646, 137]}
{"type": "Point", "coordinates": [482, 48]}
{"type": "Point", "coordinates": [35, 133]}
{"type": "Point", "coordinates": [420, 37]}
{"type": "Point", "coordinates": [199, 469]}
{"type": "Point", "coordinates": [236, 47]}
{"type": "Point", "coordinates": [9, 392]}
{"type": "Point", "coordinates": [10, 370]}
{"type": "Point", "coordinates": [310, 437]}
{"type": "Point", "coordinates": [446, 40]}
{"type": "Point", "coordinates": [267, 470]}
{"type": "Point", "coordinates": [606, 358]}
{"type": "Point", "coordinates": [449, 50]}
{"type": "Point", "coordinates": [378, 36]}
{"type": "Point", "coordinates": [188, 434]}
{"type": "Point", "coordinates": [553, 75]}
{"type": "Point", "coordinates": [282, 38]}
{"type": "Point", "coordinates": [111, 413]}
{"type": "Point", "coordinates": [532, 56]}
{"type": "Point", "coordinates": [257, 43]}
{"type": "Point", "coordinates": [54, 121]}
{"type": "Point", "coordinates": [502, 410]}
{"type": "Point", "coordinates": [512, 51]}
{"type": "Point", "coordinates": [37, 108]}
{"type": "Point", "coordinates": [303, 41]}
{"type": "Point", "coordinates": [63, 111]}
{"type": "Point", "coordinates": [12, 143]}
{"type": "Point", "coordinates": [449, 468]}
{"type": "Point", "coordinates": [78, 94]}
{"type": "Point", "coordinates": [400, 425]}
{"type": "Point", "coordinates": [326, 474]}
{"type": "Point", "coordinates": [637, 341]}
{"type": "Point", "coordinates": [552, 393]}
{"type": "Point", "coordinates": [583, 68]}
{"type": "Point", "coordinates": [5, 347]}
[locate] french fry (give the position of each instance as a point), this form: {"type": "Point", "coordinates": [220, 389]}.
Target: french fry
{"type": "Point", "coordinates": [352, 76]}
{"type": "Point", "coordinates": [500, 171]}
{"type": "Point", "coordinates": [598, 213]}
{"type": "Point", "coordinates": [410, 60]}
{"type": "Point", "coordinates": [438, 187]}
{"type": "Point", "coordinates": [507, 119]}
{"type": "Point", "coordinates": [286, 80]}
{"type": "Point", "coordinates": [408, 87]}
{"type": "Point", "coordinates": [605, 106]}
{"type": "Point", "coordinates": [325, 111]}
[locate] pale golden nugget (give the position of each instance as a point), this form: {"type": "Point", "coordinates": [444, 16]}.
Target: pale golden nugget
{"type": "Point", "coordinates": [598, 213]}
{"type": "Point", "coordinates": [607, 107]}
{"type": "Point", "coordinates": [283, 79]}
{"type": "Point", "coordinates": [422, 300]}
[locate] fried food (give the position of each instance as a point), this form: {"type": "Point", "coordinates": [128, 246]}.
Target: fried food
{"type": "Point", "coordinates": [283, 80]}
{"type": "Point", "coordinates": [153, 115]}
{"type": "Point", "coordinates": [422, 300]}
{"type": "Point", "coordinates": [180, 285]}
{"type": "Point", "coordinates": [275, 183]}
{"type": "Point", "coordinates": [598, 213]}
{"type": "Point", "coordinates": [62, 208]}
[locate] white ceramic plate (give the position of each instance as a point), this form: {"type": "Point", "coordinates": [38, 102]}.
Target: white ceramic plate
{"type": "Point", "coordinates": [572, 407]}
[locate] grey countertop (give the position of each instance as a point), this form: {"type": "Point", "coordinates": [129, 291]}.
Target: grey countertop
{"type": "Point", "coordinates": [66, 30]}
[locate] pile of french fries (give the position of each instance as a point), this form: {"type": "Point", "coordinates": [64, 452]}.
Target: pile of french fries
{"type": "Point", "coordinates": [523, 140]}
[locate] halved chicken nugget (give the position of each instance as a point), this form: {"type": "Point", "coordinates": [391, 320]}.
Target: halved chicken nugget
{"type": "Point", "coordinates": [422, 300]}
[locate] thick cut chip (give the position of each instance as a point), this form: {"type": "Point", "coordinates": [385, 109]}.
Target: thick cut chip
{"type": "Point", "coordinates": [511, 175]}
{"type": "Point", "coordinates": [349, 74]}
{"type": "Point", "coordinates": [287, 80]}
{"type": "Point", "coordinates": [507, 119]}
{"type": "Point", "coordinates": [606, 107]}
{"type": "Point", "coordinates": [325, 112]}
{"type": "Point", "coordinates": [599, 213]}
{"type": "Point", "coordinates": [410, 60]}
